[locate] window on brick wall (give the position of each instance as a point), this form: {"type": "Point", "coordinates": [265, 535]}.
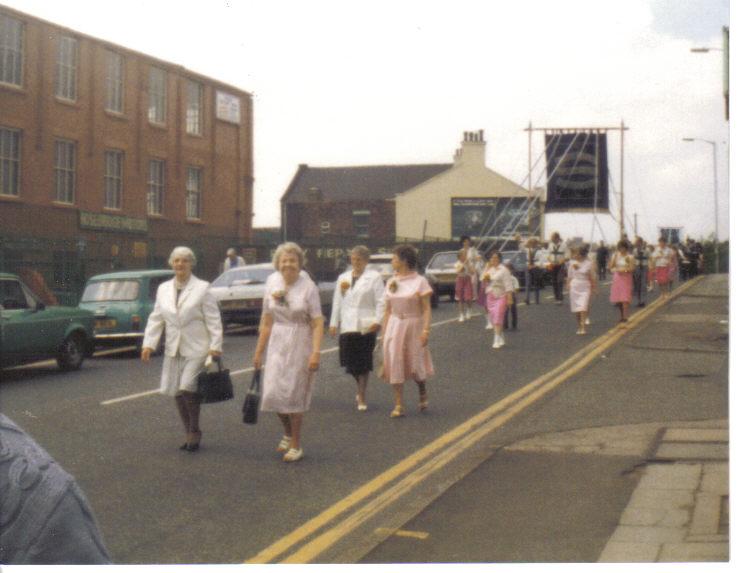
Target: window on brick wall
{"type": "Point", "coordinates": [361, 222]}
{"type": "Point", "coordinates": [155, 187]}
{"type": "Point", "coordinates": [10, 161]}
{"type": "Point", "coordinates": [11, 51]}
{"type": "Point", "coordinates": [65, 161]}
{"type": "Point", "coordinates": [157, 95]}
{"type": "Point", "coordinates": [114, 82]}
{"type": "Point", "coordinates": [194, 111]}
{"type": "Point", "coordinates": [113, 179]}
{"type": "Point", "coordinates": [193, 192]}
{"type": "Point", "coordinates": [66, 78]}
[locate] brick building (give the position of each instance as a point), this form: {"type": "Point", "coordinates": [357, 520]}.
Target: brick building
{"type": "Point", "coordinates": [109, 158]}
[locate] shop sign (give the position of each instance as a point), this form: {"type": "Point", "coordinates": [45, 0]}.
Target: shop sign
{"type": "Point", "coordinates": [107, 222]}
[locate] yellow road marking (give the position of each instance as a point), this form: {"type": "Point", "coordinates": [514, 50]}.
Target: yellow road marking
{"type": "Point", "coordinates": [402, 533]}
{"type": "Point", "coordinates": [518, 401]}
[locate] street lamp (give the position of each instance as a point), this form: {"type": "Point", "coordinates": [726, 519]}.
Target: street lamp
{"type": "Point", "coordinates": [716, 209]}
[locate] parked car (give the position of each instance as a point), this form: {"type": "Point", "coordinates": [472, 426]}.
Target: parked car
{"type": "Point", "coordinates": [440, 273]}
{"type": "Point", "coordinates": [239, 292]}
{"type": "Point", "coordinates": [381, 262]}
{"type": "Point", "coordinates": [30, 330]}
{"type": "Point", "coordinates": [121, 303]}
{"type": "Point", "coordinates": [519, 260]}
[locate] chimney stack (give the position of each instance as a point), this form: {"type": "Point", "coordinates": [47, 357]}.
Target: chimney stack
{"type": "Point", "coordinates": [473, 149]}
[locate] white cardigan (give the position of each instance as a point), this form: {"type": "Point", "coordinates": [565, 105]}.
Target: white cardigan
{"type": "Point", "coordinates": [360, 306]}
{"type": "Point", "coordinates": [193, 326]}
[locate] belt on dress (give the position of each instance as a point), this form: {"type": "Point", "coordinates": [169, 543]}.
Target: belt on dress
{"type": "Point", "coordinates": [404, 315]}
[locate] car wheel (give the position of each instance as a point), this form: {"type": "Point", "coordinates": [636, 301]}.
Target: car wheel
{"type": "Point", "coordinates": [435, 299]}
{"type": "Point", "coordinates": [72, 352]}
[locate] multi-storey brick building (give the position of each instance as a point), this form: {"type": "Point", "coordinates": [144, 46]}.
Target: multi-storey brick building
{"type": "Point", "coordinates": [109, 158]}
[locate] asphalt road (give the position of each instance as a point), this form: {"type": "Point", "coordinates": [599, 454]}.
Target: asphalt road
{"type": "Point", "coordinates": [108, 427]}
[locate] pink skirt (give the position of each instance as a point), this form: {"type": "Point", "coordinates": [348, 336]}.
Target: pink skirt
{"type": "Point", "coordinates": [496, 306]}
{"type": "Point", "coordinates": [464, 288]}
{"type": "Point", "coordinates": [621, 288]}
{"type": "Point", "coordinates": [404, 358]}
{"type": "Point", "coordinates": [662, 275]}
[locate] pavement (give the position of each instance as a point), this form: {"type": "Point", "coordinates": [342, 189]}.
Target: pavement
{"type": "Point", "coordinates": [655, 489]}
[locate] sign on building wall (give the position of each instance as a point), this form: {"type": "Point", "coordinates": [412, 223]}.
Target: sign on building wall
{"type": "Point", "coordinates": [228, 107]}
{"type": "Point", "coordinates": [107, 222]}
{"type": "Point", "coordinates": [486, 217]}
{"type": "Point", "coordinates": [471, 215]}
{"type": "Point", "coordinates": [577, 172]}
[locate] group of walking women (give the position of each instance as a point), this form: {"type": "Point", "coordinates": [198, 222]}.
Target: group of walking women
{"type": "Point", "coordinates": [291, 329]}
{"type": "Point", "coordinates": [364, 311]}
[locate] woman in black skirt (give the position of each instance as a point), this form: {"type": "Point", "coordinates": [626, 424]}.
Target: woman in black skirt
{"type": "Point", "coordinates": [357, 312]}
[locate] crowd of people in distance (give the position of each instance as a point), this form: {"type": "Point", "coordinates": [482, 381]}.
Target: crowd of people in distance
{"type": "Point", "coordinates": [392, 319]}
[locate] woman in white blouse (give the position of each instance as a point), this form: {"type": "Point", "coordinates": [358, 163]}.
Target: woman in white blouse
{"type": "Point", "coordinates": [357, 312]}
{"type": "Point", "coordinates": [661, 261]}
{"type": "Point", "coordinates": [496, 279]}
{"type": "Point", "coordinates": [188, 315]}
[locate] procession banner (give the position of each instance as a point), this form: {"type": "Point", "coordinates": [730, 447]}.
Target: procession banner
{"type": "Point", "coordinates": [577, 171]}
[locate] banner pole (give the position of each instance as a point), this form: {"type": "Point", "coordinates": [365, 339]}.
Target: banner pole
{"type": "Point", "coordinates": [621, 180]}
{"type": "Point", "coordinates": [529, 179]}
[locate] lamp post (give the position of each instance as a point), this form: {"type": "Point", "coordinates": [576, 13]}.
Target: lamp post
{"type": "Point", "coordinates": [716, 208]}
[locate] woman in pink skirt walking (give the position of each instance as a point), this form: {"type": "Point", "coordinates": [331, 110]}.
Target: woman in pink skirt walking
{"type": "Point", "coordinates": [581, 285]}
{"type": "Point", "coordinates": [408, 313]}
{"type": "Point", "coordinates": [622, 265]}
{"type": "Point", "coordinates": [498, 285]}
{"type": "Point", "coordinates": [464, 284]}
{"type": "Point", "coordinates": [662, 260]}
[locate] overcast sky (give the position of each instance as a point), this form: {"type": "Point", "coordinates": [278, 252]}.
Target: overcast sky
{"type": "Point", "coordinates": [391, 82]}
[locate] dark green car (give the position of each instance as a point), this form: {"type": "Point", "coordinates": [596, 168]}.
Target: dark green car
{"type": "Point", "coordinates": [30, 330]}
{"type": "Point", "coordinates": [121, 303]}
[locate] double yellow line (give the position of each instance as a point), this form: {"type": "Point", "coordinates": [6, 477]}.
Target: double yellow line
{"type": "Point", "coordinates": [435, 455]}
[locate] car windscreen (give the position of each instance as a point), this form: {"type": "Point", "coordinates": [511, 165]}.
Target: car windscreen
{"type": "Point", "coordinates": [382, 268]}
{"type": "Point", "coordinates": [113, 290]}
{"type": "Point", "coordinates": [443, 261]}
{"type": "Point", "coordinates": [243, 276]}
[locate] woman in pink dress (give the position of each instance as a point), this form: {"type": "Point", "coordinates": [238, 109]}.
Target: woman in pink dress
{"type": "Point", "coordinates": [581, 285]}
{"type": "Point", "coordinates": [622, 265]}
{"type": "Point", "coordinates": [408, 313]}
{"type": "Point", "coordinates": [498, 285]}
{"type": "Point", "coordinates": [293, 326]}
{"type": "Point", "coordinates": [464, 284]}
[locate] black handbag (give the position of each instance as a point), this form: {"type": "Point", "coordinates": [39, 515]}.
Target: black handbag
{"type": "Point", "coordinates": [215, 386]}
{"type": "Point", "coordinates": [251, 406]}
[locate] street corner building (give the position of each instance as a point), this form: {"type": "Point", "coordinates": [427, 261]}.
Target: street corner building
{"type": "Point", "coordinates": [330, 209]}
{"type": "Point", "coordinates": [110, 158]}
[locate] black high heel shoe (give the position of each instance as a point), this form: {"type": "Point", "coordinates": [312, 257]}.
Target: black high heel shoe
{"type": "Point", "coordinates": [194, 446]}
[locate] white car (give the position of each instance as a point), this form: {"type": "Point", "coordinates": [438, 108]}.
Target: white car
{"type": "Point", "coordinates": [239, 293]}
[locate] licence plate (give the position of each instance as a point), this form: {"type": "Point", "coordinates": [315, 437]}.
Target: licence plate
{"type": "Point", "coordinates": [103, 323]}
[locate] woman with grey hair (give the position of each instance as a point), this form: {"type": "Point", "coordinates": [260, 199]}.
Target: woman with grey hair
{"type": "Point", "coordinates": [189, 317]}
{"type": "Point", "coordinates": [293, 326]}
{"type": "Point", "coordinates": [357, 311]}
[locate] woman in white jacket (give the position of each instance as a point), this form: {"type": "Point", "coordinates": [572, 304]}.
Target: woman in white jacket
{"type": "Point", "coordinates": [188, 315]}
{"type": "Point", "coordinates": [357, 311]}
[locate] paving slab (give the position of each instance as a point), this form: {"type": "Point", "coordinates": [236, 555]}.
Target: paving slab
{"type": "Point", "coordinates": [691, 451]}
{"type": "Point", "coordinates": [681, 552]}
{"type": "Point", "coordinates": [647, 534]}
{"type": "Point", "coordinates": [696, 435]}
{"type": "Point", "coordinates": [624, 552]}
{"type": "Point", "coordinates": [672, 476]}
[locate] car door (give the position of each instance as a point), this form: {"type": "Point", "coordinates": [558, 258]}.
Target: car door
{"type": "Point", "coordinates": [25, 334]}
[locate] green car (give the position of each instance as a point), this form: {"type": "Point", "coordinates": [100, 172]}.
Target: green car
{"type": "Point", "coordinates": [121, 303]}
{"type": "Point", "coordinates": [30, 330]}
